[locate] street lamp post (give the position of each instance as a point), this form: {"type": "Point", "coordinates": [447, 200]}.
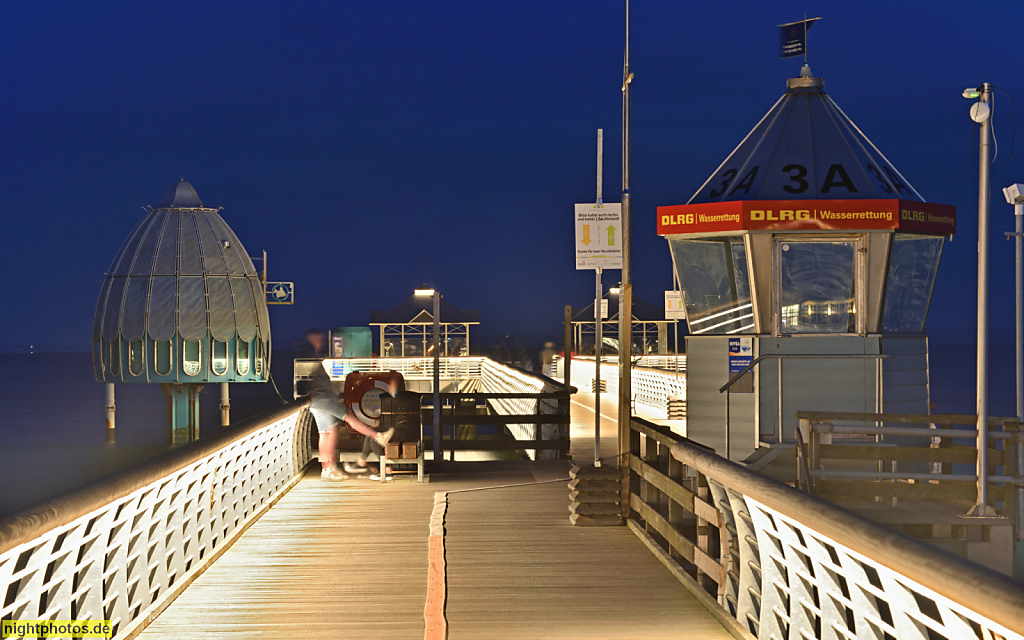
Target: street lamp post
{"type": "Point", "coordinates": [625, 297]}
{"type": "Point", "coordinates": [981, 113]}
{"type": "Point", "coordinates": [1014, 195]}
{"type": "Point", "coordinates": [437, 375]}
{"type": "Point", "coordinates": [436, 297]}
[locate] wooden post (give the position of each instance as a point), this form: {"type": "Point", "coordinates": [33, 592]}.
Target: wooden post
{"type": "Point", "coordinates": [676, 512]}
{"type": "Point", "coordinates": [648, 492]}
{"type": "Point", "coordinates": [704, 535]}
{"type": "Point", "coordinates": [663, 463]}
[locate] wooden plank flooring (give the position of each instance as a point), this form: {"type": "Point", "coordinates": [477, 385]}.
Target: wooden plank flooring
{"type": "Point", "coordinates": [349, 559]}
{"type": "Point", "coordinates": [518, 569]}
{"type": "Point", "coordinates": [330, 560]}
{"type": "Point", "coordinates": [581, 425]}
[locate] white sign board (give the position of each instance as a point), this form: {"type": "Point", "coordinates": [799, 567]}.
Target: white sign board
{"type": "Point", "coordinates": [674, 309]}
{"type": "Point", "coordinates": [599, 236]}
{"type": "Point", "coordinates": [604, 311]}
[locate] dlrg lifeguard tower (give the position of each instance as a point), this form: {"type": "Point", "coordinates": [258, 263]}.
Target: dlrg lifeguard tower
{"type": "Point", "coordinates": [810, 259]}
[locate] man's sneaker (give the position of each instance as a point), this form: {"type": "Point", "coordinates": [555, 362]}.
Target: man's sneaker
{"type": "Point", "coordinates": [384, 437]}
{"type": "Point", "coordinates": [333, 473]}
{"type": "Point", "coordinates": [354, 469]}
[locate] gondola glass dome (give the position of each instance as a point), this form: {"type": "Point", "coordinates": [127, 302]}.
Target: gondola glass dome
{"type": "Point", "coordinates": [182, 302]}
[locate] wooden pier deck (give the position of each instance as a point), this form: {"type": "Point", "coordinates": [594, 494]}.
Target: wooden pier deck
{"type": "Point", "coordinates": [350, 559]}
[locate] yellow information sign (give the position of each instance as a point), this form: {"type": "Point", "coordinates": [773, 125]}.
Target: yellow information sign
{"type": "Point", "coordinates": [599, 236]}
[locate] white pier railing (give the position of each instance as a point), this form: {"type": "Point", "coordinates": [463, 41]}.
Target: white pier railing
{"type": "Point", "coordinates": [779, 563]}
{"type": "Point", "coordinates": [462, 371]}
{"type": "Point", "coordinates": [122, 548]}
{"type": "Point", "coordinates": [470, 374]}
{"type": "Point", "coordinates": [655, 379]}
{"type": "Point", "coordinates": [498, 378]}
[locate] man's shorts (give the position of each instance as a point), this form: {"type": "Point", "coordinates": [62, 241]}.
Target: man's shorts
{"type": "Point", "coordinates": [327, 411]}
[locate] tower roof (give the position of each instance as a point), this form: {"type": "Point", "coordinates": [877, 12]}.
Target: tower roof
{"type": "Point", "coordinates": [805, 147]}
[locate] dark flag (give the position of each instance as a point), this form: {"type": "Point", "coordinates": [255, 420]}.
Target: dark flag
{"type": "Point", "coordinates": [794, 37]}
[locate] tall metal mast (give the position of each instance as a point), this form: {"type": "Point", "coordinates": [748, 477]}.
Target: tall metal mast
{"type": "Point", "coordinates": [981, 113]}
{"type": "Point", "coordinates": [625, 291]}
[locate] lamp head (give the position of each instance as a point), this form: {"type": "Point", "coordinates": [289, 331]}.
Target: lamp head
{"type": "Point", "coordinates": [1014, 193]}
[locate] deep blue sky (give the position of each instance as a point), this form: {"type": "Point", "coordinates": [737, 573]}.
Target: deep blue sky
{"type": "Point", "coordinates": [375, 146]}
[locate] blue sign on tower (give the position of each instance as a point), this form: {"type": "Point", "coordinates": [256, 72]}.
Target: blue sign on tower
{"type": "Point", "coordinates": [741, 354]}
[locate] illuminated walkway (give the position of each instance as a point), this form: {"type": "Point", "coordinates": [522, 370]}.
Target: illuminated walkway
{"type": "Point", "coordinates": [335, 559]}
{"type": "Point", "coordinates": [582, 426]}
{"type": "Point", "coordinates": [350, 559]}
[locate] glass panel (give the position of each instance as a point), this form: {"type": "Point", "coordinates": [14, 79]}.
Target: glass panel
{"type": "Point", "coordinates": [716, 285]}
{"type": "Point", "coordinates": [99, 363]}
{"type": "Point", "coordinates": [817, 287]}
{"type": "Point", "coordinates": [162, 360]}
{"type": "Point", "coordinates": [190, 357]}
{"type": "Point", "coordinates": [115, 358]}
{"type": "Point", "coordinates": [219, 359]}
{"type": "Point", "coordinates": [242, 357]}
{"type": "Point", "coordinates": [136, 359]}
{"type": "Point", "coordinates": [912, 267]}
{"type": "Point", "coordinates": [258, 369]}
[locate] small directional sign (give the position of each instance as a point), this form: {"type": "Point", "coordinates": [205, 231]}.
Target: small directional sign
{"type": "Point", "coordinates": [280, 293]}
{"type": "Point", "coordinates": [599, 236]}
{"type": "Point", "coordinates": [674, 309]}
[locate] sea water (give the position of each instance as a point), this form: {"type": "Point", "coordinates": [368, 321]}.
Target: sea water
{"type": "Point", "coordinates": [53, 435]}
{"type": "Point", "coordinates": [53, 423]}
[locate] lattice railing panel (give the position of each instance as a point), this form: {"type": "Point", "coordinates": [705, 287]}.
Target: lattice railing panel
{"type": "Point", "coordinates": [499, 378]}
{"type": "Point", "coordinates": [790, 566]}
{"type": "Point", "coordinates": [122, 559]}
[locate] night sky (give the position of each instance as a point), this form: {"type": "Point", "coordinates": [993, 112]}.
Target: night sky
{"type": "Point", "coordinates": [372, 147]}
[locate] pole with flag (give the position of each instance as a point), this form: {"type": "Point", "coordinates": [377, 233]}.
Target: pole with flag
{"type": "Point", "coordinates": [793, 38]}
